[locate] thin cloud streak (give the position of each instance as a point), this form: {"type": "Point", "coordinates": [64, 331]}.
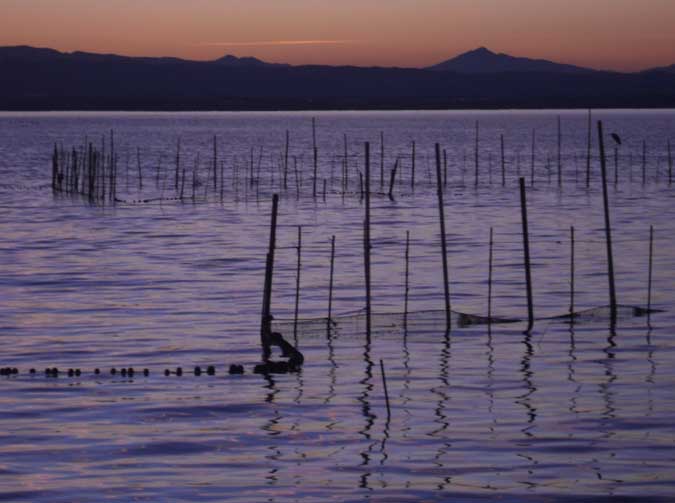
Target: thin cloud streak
{"type": "Point", "coordinates": [268, 43]}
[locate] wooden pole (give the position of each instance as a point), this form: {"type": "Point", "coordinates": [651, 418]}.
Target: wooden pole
{"type": "Point", "coordinates": [297, 287]}
{"type": "Point", "coordinates": [644, 162]}
{"type": "Point", "coordinates": [392, 180]}
{"type": "Point", "coordinates": [444, 251]}
{"type": "Point", "coordinates": [215, 163]}
{"type": "Point", "coordinates": [588, 151]}
{"type": "Point", "coordinates": [475, 155]}
{"type": "Point", "coordinates": [386, 391]}
{"type": "Point", "coordinates": [526, 251]}
{"type": "Point", "coordinates": [501, 142]}
{"type": "Point", "coordinates": [315, 152]}
{"type": "Point", "coordinates": [366, 241]}
{"type": "Point", "coordinates": [490, 277]}
{"type": "Point", "coordinates": [412, 174]}
{"type": "Point", "coordinates": [559, 153]}
{"type": "Point", "coordinates": [266, 319]}
{"type": "Point", "coordinates": [406, 289]}
{"type": "Point", "coordinates": [649, 276]}
{"type": "Point", "coordinates": [608, 229]}
{"type": "Point", "coordinates": [572, 273]}
{"type": "Point", "coordinates": [532, 163]}
{"type": "Point", "coordinates": [330, 282]}
{"type": "Point", "coordinates": [381, 160]}
{"type": "Point", "coordinates": [177, 176]}
{"type": "Point", "coordinates": [670, 165]}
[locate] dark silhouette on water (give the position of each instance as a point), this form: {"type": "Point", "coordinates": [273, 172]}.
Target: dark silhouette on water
{"type": "Point", "coordinates": [293, 364]}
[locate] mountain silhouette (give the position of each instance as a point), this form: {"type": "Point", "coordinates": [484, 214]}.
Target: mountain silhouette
{"type": "Point", "coordinates": [45, 79]}
{"type": "Point", "coordinates": [482, 60]}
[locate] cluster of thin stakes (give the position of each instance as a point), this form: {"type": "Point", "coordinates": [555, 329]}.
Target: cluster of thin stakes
{"type": "Point", "coordinates": [367, 245]}
{"type": "Point", "coordinates": [96, 172]}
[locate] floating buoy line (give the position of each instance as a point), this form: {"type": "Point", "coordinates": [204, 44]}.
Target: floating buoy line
{"type": "Point", "coordinates": [234, 369]}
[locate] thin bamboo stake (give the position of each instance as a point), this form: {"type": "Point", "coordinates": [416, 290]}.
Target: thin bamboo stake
{"type": "Point", "coordinates": [572, 274]}
{"type": "Point", "coordinates": [266, 318]}
{"type": "Point", "coordinates": [386, 391]}
{"type": "Point", "coordinates": [588, 151]}
{"type": "Point", "coordinates": [526, 251]}
{"type": "Point", "coordinates": [330, 282]}
{"type": "Point", "coordinates": [444, 251]}
{"type": "Point", "coordinates": [297, 287]}
{"type": "Point", "coordinates": [608, 230]}
{"type": "Point", "coordinates": [490, 277]}
{"type": "Point", "coordinates": [366, 241]}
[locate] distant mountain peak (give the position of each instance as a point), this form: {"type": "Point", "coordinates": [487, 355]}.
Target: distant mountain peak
{"type": "Point", "coordinates": [483, 60]}
{"type": "Point", "coordinates": [234, 61]}
{"type": "Point", "coordinates": [481, 51]}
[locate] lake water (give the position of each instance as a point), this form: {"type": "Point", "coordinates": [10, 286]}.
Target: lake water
{"type": "Point", "coordinates": [569, 412]}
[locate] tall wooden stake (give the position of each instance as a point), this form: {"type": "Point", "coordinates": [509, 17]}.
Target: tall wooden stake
{"type": "Point", "coordinates": [406, 289]}
{"type": "Point", "coordinates": [501, 142]}
{"type": "Point", "coordinates": [381, 160]}
{"type": "Point", "coordinates": [366, 241]}
{"type": "Point", "coordinates": [608, 229]}
{"type": "Point", "coordinates": [490, 277]}
{"type": "Point", "coordinates": [559, 153]}
{"type": "Point", "coordinates": [572, 273]}
{"type": "Point", "coordinates": [444, 251]}
{"type": "Point", "coordinates": [588, 151]}
{"type": "Point", "coordinates": [297, 287]}
{"type": "Point", "coordinates": [266, 321]}
{"type": "Point", "coordinates": [330, 282]}
{"type": "Point", "coordinates": [649, 277]}
{"type": "Point", "coordinates": [532, 161]}
{"type": "Point", "coordinates": [315, 151]}
{"type": "Point", "coordinates": [670, 165]}
{"type": "Point", "coordinates": [526, 250]}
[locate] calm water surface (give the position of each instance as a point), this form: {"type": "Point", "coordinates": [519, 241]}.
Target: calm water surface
{"type": "Point", "coordinates": [568, 413]}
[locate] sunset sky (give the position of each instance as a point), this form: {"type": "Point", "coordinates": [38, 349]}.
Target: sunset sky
{"type": "Point", "coordinates": [612, 34]}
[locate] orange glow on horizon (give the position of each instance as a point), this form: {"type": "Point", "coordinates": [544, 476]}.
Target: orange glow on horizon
{"type": "Point", "coordinates": [611, 34]}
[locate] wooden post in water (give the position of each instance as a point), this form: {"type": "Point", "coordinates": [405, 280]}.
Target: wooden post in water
{"type": "Point", "coordinates": [315, 152]}
{"type": "Point", "coordinates": [330, 282]}
{"type": "Point", "coordinates": [649, 276]}
{"type": "Point", "coordinates": [177, 175]}
{"type": "Point", "coordinates": [412, 174]}
{"type": "Point", "coordinates": [297, 287]}
{"type": "Point", "coordinates": [215, 163]}
{"type": "Point", "coordinates": [588, 151]}
{"type": "Point", "coordinates": [406, 289]}
{"type": "Point", "coordinates": [501, 143]}
{"type": "Point", "coordinates": [532, 163]}
{"type": "Point", "coordinates": [572, 274]}
{"type": "Point", "coordinates": [670, 165]}
{"type": "Point", "coordinates": [392, 180]}
{"type": "Point", "coordinates": [475, 156]}
{"type": "Point", "coordinates": [644, 162]}
{"type": "Point", "coordinates": [559, 153]}
{"type": "Point", "coordinates": [381, 160]}
{"type": "Point", "coordinates": [445, 168]}
{"type": "Point", "coordinates": [386, 391]}
{"type": "Point", "coordinates": [366, 241]}
{"type": "Point", "coordinates": [266, 319]}
{"type": "Point", "coordinates": [286, 148]}
{"type": "Point", "coordinates": [526, 251]}
{"type": "Point", "coordinates": [444, 251]}
{"type": "Point", "coordinates": [608, 229]}
{"type": "Point", "coordinates": [490, 277]}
